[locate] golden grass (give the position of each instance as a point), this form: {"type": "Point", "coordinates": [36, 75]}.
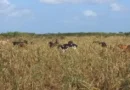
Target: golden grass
{"type": "Point", "coordinates": [89, 67]}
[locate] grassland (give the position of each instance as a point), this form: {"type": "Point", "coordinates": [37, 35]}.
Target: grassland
{"type": "Point", "coordinates": [89, 67]}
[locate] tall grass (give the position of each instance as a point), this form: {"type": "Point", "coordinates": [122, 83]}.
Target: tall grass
{"type": "Point", "coordinates": [89, 67]}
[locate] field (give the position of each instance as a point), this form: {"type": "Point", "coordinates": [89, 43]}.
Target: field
{"type": "Point", "coordinates": [89, 67]}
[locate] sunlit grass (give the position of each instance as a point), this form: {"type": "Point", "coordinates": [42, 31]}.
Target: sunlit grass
{"type": "Point", "coordinates": [89, 67]}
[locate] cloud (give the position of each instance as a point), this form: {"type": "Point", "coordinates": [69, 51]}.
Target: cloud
{"type": "Point", "coordinates": [74, 1]}
{"type": "Point", "coordinates": [51, 1]}
{"type": "Point", "coordinates": [20, 13]}
{"type": "Point", "coordinates": [90, 13]}
{"type": "Point", "coordinates": [117, 7]}
{"type": "Point", "coordinates": [4, 4]}
{"type": "Point", "coordinates": [9, 9]}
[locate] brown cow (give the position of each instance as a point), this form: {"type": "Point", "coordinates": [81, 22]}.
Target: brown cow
{"type": "Point", "coordinates": [52, 44]}
{"type": "Point", "coordinates": [121, 46]}
{"type": "Point", "coordinates": [126, 48]}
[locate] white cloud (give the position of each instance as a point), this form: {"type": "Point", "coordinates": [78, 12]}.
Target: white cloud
{"type": "Point", "coordinates": [4, 4]}
{"type": "Point", "coordinates": [117, 7]}
{"type": "Point", "coordinates": [90, 13]}
{"type": "Point", "coordinates": [51, 1]}
{"type": "Point", "coordinates": [74, 1]}
{"type": "Point", "coordinates": [8, 9]}
{"type": "Point", "coordinates": [20, 13]}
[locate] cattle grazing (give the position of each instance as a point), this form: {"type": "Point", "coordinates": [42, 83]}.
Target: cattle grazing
{"type": "Point", "coordinates": [52, 44]}
{"type": "Point", "coordinates": [20, 43]}
{"type": "Point", "coordinates": [70, 44]}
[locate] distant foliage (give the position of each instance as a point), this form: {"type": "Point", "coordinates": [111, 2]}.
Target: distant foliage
{"type": "Point", "coordinates": [51, 35]}
{"type": "Point", "coordinates": [15, 34]}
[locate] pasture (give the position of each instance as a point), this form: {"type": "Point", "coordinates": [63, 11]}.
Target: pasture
{"type": "Point", "coordinates": [90, 67]}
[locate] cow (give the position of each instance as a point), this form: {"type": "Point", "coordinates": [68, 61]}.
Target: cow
{"type": "Point", "coordinates": [64, 47]}
{"type": "Point", "coordinates": [70, 44]}
{"type": "Point", "coordinates": [121, 46]}
{"type": "Point", "coordinates": [52, 44]}
{"type": "Point", "coordinates": [73, 45]}
{"type": "Point", "coordinates": [126, 48]}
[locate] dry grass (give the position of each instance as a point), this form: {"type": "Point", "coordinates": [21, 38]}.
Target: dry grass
{"type": "Point", "coordinates": [89, 67]}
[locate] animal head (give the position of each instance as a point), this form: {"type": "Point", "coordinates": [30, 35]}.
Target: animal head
{"type": "Point", "coordinates": [56, 41]}
{"type": "Point", "coordinates": [51, 44]}
{"type": "Point", "coordinates": [70, 42]}
{"type": "Point", "coordinates": [103, 44]}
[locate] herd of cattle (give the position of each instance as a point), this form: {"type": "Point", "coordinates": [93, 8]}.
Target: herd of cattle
{"type": "Point", "coordinates": [125, 48]}
{"type": "Point", "coordinates": [65, 46]}
{"type": "Point", "coordinates": [24, 43]}
{"type": "Point", "coordinates": [71, 44]}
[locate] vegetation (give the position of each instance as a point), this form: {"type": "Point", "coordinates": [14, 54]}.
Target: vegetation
{"type": "Point", "coordinates": [89, 67]}
{"type": "Point", "coordinates": [15, 34]}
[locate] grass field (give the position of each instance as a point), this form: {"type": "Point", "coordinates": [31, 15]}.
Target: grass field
{"type": "Point", "coordinates": [89, 67]}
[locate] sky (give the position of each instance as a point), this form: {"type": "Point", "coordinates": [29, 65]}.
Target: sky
{"type": "Point", "coordinates": [64, 16]}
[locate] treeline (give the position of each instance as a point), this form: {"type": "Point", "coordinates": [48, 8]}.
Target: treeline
{"type": "Point", "coordinates": [15, 34]}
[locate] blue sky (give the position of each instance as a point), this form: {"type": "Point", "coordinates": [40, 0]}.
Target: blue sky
{"type": "Point", "coordinates": [53, 16]}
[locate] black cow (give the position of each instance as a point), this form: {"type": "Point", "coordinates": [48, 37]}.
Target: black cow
{"type": "Point", "coordinates": [70, 44]}
{"type": "Point", "coordinates": [64, 47]}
